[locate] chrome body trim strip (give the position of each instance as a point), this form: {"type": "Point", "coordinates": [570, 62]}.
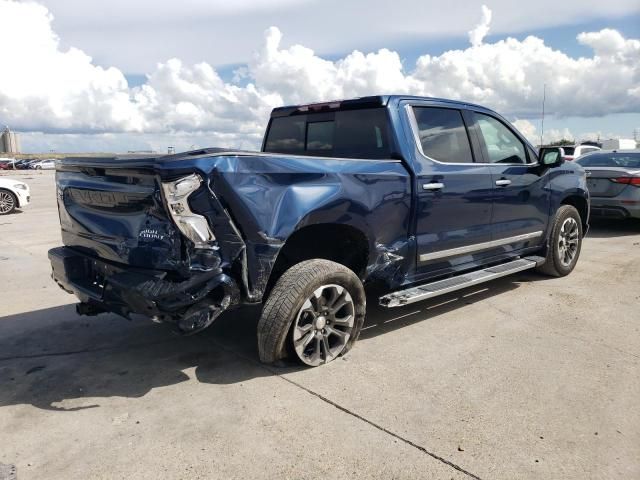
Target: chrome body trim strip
{"type": "Point", "coordinates": [477, 247]}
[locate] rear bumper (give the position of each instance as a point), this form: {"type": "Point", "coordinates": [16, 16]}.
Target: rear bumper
{"type": "Point", "coordinates": [615, 208]}
{"type": "Point", "coordinates": [105, 286]}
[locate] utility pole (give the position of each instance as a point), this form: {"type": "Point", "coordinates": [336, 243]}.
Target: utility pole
{"type": "Point", "coordinates": [544, 98]}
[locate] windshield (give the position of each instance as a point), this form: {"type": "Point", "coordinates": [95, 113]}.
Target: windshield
{"type": "Point", "coordinates": [362, 133]}
{"type": "Point", "coordinates": [624, 160]}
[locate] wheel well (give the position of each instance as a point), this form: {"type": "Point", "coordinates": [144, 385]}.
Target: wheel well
{"type": "Point", "coordinates": [580, 204]}
{"type": "Point", "coordinates": [342, 244]}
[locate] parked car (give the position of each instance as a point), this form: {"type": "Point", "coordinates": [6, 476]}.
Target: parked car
{"type": "Point", "coordinates": [29, 163]}
{"type": "Point", "coordinates": [48, 164]}
{"type": "Point", "coordinates": [420, 195]}
{"type": "Point", "coordinates": [13, 194]}
{"type": "Point", "coordinates": [571, 152]}
{"type": "Point", "coordinates": [613, 179]}
{"type": "Point", "coordinates": [6, 163]}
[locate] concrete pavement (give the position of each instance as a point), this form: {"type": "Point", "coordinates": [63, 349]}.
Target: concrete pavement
{"type": "Point", "coordinates": [524, 377]}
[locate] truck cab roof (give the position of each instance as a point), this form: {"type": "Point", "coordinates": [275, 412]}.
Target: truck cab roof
{"type": "Point", "coordinates": [362, 102]}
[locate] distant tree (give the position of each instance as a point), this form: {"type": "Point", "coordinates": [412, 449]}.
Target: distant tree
{"type": "Point", "coordinates": [563, 141]}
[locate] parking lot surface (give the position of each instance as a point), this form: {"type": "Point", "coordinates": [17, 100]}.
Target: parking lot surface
{"type": "Point", "coordinates": [526, 377]}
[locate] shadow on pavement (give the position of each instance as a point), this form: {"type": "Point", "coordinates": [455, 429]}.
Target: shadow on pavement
{"type": "Point", "coordinates": [55, 360]}
{"type": "Point", "coordinates": [604, 228]}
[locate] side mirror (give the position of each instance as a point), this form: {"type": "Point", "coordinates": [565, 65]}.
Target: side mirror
{"type": "Point", "coordinates": [551, 156]}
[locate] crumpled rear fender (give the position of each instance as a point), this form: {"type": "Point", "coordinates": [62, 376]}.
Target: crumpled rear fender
{"type": "Point", "coordinates": [257, 202]}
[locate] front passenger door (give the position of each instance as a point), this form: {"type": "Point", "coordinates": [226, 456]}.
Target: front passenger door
{"type": "Point", "coordinates": [521, 199]}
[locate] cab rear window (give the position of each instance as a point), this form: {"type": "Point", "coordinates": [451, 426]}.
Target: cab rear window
{"type": "Point", "coordinates": [362, 133]}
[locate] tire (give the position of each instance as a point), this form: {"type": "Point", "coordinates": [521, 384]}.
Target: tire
{"type": "Point", "coordinates": [565, 243]}
{"type": "Point", "coordinates": [303, 317]}
{"type": "Point", "coordinates": [8, 202]}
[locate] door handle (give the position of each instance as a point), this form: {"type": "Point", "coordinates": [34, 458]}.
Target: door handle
{"type": "Point", "coordinates": [503, 182]}
{"type": "Point", "coordinates": [433, 186]}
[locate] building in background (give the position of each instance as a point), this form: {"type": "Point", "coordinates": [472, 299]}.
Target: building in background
{"type": "Point", "coordinates": [619, 144]}
{"type": "Point", "coordinates": [9, 141]}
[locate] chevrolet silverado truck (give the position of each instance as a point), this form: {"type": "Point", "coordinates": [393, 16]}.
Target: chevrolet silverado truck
{"type": "Point", "coordinates": [422, 196]}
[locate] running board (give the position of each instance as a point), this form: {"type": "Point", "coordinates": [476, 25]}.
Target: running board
{"type": "Point", "coordinates": [429, 290]}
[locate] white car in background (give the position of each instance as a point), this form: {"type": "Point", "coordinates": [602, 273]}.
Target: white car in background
{"type": "Point", "coordinates": [48, 164]}
{"type": "Point", "coordinates": [13, 194]}
{"type": "Point", "coordinates": [571, 152]}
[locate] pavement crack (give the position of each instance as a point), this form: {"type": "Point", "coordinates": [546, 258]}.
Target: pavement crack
{"type": "Point", "coordinates": [379, 427]}
{"type": "Point", "coordinates": [346, 410]}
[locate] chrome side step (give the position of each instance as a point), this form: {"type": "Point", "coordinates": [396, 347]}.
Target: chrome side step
{"type": "Point", "coordinates": [429, 290]}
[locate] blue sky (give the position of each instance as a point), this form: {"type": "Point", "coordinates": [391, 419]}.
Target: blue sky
{"type": "Point", "coordinates": [560, 37]}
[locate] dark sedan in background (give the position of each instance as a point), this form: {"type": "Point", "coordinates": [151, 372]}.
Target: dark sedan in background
{"type": "Point", "coordinates": [613, 179]}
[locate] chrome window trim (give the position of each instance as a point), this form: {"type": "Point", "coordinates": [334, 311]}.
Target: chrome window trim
{"type": "Point", "coordinates": [452, 252]}
{"type": "Point", "coordinates": [415, 130]}
{"type": "Point", "coordinates": [416, 136]}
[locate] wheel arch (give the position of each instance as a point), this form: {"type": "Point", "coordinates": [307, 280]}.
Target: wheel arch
{"type": "Point", "coordinates": [341, 243]}
{"type": "Point", "coordinates": [581, 204]}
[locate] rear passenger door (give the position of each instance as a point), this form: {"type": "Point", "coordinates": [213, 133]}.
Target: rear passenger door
{"type": "Point", "coordinates": [521, 197]}
{"type": "Point", "coordinates": [454, 189]}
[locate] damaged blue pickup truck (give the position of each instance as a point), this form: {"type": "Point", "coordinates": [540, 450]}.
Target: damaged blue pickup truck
{"type": "Point", "coordinates": [422, 196]}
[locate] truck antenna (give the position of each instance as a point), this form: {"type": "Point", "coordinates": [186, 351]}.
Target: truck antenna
{"type": "Point", "coordinates": [544, 98]}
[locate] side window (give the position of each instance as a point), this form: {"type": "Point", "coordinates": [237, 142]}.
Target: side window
{"type": "Point", "coordinates": [443, 135]}
{"type": "Point", "coordinates": [502, 144]}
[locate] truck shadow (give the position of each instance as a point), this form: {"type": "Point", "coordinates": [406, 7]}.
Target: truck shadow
{"type": "Point", "coordinates": [55, 360]}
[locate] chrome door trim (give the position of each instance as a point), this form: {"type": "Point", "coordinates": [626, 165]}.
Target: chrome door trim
{"type": "Point", "coordinates": [452, 252]}
{"type": "Point", "coordinates": [503, 182]}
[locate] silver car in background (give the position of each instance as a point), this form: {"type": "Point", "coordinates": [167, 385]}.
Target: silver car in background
{"type": "Point", "coordinates": [613, 179]}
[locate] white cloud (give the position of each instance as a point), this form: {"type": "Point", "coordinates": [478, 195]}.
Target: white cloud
{"type": "Point", "coordinates": [530, 131]}
{"type": "Point", "coordinates": [52, 88]}
{"type": "Point", "coordinates": [482, 29]}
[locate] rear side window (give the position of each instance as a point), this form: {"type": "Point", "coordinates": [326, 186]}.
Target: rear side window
{"type": "Point", "coordinates": [503, 146]}
{"type": "Point", "coordinates": [360, 133]}
{"type": "Point", "coordinates": [443, 135]}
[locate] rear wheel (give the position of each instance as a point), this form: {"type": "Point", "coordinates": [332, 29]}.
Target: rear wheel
{"type": "Point", "coordinates": [565, 243]}
{"type": "Point", "coordinates": [314, 313]}
{"type": "Point", "coordinates": [8, 202]}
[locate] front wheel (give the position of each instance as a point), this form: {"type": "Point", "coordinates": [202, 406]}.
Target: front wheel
{"type": "Point", "coordinates": [314, 313]}
{"type": "Point", "coordinates": [565, 243]}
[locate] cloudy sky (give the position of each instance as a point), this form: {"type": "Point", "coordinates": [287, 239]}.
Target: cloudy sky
{"type": "Point", "coordinates": [84, 75]}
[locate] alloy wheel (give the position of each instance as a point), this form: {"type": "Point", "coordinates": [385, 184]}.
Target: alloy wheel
{"type": "Point", "coordinates": [324, 325]}
{"type": "Point", "coordinates": [7, 203]}
{"type": "Point", "coordinates": [568, 241]}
